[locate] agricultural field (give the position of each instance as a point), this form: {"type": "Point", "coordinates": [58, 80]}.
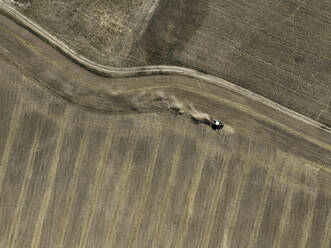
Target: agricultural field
{"type": "Point", "coordinates": [89, 161]}
{"type": "Point", "coordinates": [102, 30]}
{"type": "Point", "coordinates": [279, 49]}
{"type": "Point", "coordinates": [75, 178]}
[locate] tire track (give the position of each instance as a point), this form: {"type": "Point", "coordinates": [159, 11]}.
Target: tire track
{"type": "Point", "coordinates": [165, 203]}
{"type": "Point", "coordinates": [73, 186]}
{"type": "Point", "coordinates": [115, 72]}
{"type": "Point", "coordinates": [16, 115]}
{"type": "Point", "coordinates": [145, 192]}
{"type": "Point", "coordinates": [122, 194]}
{"type": "Point", "coordinates": [50, 182]}
{"type": "Point", "coordinates": [94, 195]}
{"type": "Point", "coordinates": [14, 228]}
{"type": "Point", "coordinates": [277, 120]}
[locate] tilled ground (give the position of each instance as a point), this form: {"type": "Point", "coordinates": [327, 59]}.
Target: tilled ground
{"type": "Point", "coordinates": [73, 177]}
{"type": "Point", "coordinates": [70, 177]}
{"type": "Point", "coordinates": [278, 49]}
{"type": "Point", "coordinates": [101, 30]}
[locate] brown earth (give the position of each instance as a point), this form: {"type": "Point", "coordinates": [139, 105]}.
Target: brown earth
{"type": "Point", "coordinates": [279, 49]}
{"type": "Point", "coordinates": [102, 30]}
{"type": "Point", "coordinates": [76, 174]}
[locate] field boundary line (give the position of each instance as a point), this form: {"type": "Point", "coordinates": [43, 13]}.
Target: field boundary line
{"type": "Point", "coordinates": [127, 72]}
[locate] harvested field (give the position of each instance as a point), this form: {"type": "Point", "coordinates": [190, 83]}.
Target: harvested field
{"type": "Point", "coordinates": [78, 174]}
{"type": "Point", "coordinates": [279, 49]}
{"type": "Point", "coordinates": [75, 178]}
{"type": "Point", "coordinates": [102, 30]}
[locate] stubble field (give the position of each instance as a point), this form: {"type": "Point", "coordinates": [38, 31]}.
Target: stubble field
{"type": "Point", "coordinates": [101, 30]}
{"type": "Point", "coordinates": [72, 176]}
{"type": "Point", "coordinates": [278, 49]}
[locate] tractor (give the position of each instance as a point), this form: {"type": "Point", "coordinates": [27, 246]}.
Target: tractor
{"type": "Point", "coordinates": [216, 124]}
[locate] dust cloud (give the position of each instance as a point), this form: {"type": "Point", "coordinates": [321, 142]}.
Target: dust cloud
{"type": "Point", "coordinates": [184, 108]}
{"type": "Point", "coordinates": [159, 100]}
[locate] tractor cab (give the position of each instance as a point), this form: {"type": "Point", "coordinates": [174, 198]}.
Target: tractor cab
{"type": "Point", "coordinates": [217, 125]}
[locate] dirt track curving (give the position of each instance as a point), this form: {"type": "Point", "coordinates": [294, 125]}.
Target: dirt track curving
{"type": "Point", "coordinates": [115, 72]}
{"type": "Point", "coordinates": [72, 177]}
{"type": "Point", "coordinates": [220, 100]}
{"type": "Point", "coordinates": [91, 161]}
{"type": "Point", "coordinates": [278, 49]}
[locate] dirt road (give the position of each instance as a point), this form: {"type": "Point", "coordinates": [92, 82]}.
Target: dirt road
{"type": "Point", "coordinates": [115, 72]}
{"type": "Point", "coordinates": [93, 161]}
{"type": "Point", "coordinates": [238, 108]}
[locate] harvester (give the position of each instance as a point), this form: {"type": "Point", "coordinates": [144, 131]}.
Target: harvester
{"type": "Point", "coordinates": [213, 123]}
{"type": "Point", "coordinates": [216, 124]}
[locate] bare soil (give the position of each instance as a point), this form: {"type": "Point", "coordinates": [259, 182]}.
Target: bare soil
{"type": "Point", "coordinates": [97, 29]}
{"type": "Point", "coordinates": [278, 49]}
{"type": "Point", "coordinates": [73, 177]}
